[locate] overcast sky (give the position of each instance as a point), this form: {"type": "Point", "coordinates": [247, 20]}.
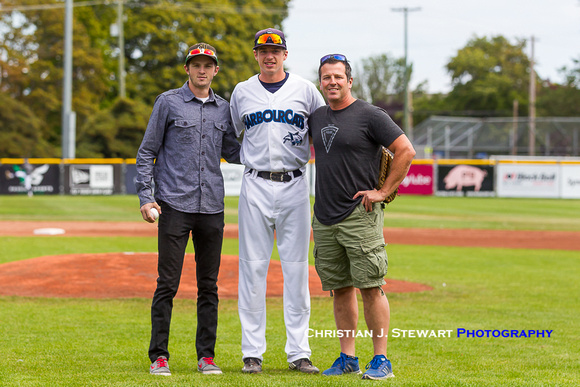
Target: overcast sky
{"type": "Point", "coordinates": [363, 28]}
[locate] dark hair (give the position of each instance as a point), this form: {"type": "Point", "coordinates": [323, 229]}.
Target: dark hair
{"type": "Point", "coordinates": [347, 68]}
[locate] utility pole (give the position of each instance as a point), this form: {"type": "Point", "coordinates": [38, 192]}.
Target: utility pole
{"type": "Point", "coordinates": [406, 121]}
{"type": "Point", "coordinates": [532, 109]}
{"type": "Point", "coordinates": [515, 128]}
{"type": "Point", "coordinates": [121, 40]}
{"type": "Point", "coordinates": [68, 116]}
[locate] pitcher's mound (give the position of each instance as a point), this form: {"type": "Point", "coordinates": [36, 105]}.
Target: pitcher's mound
{"type": "Point", "coordinates": [127, 275]}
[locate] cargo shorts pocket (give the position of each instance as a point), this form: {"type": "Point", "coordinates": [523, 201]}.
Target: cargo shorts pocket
{"type": "Point", "coordinates": [376, 259]}
{"type": "Point", "coordinates": [333, 271]}
{"type": "Point", "coordinates": [322, 269]}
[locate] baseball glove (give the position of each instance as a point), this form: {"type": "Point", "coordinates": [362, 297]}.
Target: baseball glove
{"type": "Point", "coordinates": [385, 168]}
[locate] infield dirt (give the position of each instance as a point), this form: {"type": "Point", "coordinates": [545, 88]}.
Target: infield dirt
{"type": "Point", "coordinates": [126, 274]}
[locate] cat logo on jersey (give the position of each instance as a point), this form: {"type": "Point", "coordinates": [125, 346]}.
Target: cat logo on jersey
{"type": "Point", "coordinates": [294, 138]}
{"type": "Point", "coordinates": [281, 116]}
{"type": "Point", "coordinates": [328, 134]}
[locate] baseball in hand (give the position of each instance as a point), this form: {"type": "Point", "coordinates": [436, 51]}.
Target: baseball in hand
{"type": "Point", "coordinates": [154, 213]}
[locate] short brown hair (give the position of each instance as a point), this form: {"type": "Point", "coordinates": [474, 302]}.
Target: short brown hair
{"type": "Point", "coordinates": [347, 68]}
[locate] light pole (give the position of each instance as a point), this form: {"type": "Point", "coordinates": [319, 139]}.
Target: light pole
{"type": "Point", "coordinates": [406, 126]}
{"type": "Point", "coordinates": [68, 116]}
{"type": "Point", "coordinates": [532, 109]}
{"type": "Point", "coordinates": [121, 39]}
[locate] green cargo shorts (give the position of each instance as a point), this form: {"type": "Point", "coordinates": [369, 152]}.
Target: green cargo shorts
{"type": "Point", "coordinates": [351, 252]}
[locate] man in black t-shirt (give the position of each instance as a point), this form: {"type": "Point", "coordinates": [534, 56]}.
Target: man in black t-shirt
{"type": "Point", "coordinates": [349, 247]}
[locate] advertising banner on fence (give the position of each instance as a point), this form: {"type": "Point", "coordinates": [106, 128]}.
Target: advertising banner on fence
{"type": "Point", "coordinates": [130, 177]}
{"type": "Point", "coordinates": [528, 180]}
{"type": "Point", "coordinates": [419, 180]}
{"type": "Point", "coordinates": [29, 179]}
{"type": "Point", "coordinates": [465, 180]}
{"type": "Point", "coordinates": [92, 179]}
{"type": "Point", "coordinates": [570, 182]}
{"type": "Point", "coordinates": [232, 174]}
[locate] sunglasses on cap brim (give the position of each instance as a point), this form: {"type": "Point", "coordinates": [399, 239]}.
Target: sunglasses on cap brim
{"type": "Point", "coordinates": [339, 57]}
{"type": "Point", "coordinates": [206, 51]}
{"type": "Point", "coordinates": [274, 38]}
{"type": "Point", "coordinates": [201, 51]}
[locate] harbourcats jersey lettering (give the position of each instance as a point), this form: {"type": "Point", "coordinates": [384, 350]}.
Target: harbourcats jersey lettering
{"type": "Point", "coordinates": [281, 116]}
{"type": "Point", "coordinates": [274, 126]}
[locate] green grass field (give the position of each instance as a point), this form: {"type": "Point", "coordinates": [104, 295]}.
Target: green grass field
{"type": "Point", "coordinates": [405, 211]}
{"type": "Point", "coordinates": [82, 342]}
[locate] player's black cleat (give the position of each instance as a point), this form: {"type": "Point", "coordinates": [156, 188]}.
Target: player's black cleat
{"type": "Point", "coordinates": [303, 365]}
{"type": "Point", "coordinates": [252, 365]}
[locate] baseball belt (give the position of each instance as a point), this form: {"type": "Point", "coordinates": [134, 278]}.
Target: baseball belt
{"type": "Point", "coordinates": [278, 176]}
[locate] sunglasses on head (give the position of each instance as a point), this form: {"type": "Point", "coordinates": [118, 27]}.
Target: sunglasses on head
{"type": "Point", "coordinates": [205, 51]}
{"type": "Point", "coordinates": [339, 57]}
{"type": "Point", "coordinates": [276, 39]}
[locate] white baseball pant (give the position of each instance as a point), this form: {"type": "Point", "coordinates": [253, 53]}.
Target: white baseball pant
{"type": "Point", "coordinates": [264, 207]}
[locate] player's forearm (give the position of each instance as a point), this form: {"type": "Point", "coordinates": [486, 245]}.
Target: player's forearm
{"type": "Point", "coordinates": [145, 163]}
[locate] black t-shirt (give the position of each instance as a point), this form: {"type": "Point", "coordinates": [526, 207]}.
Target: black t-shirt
{"type": "Point", "coordinates": [347, 145]}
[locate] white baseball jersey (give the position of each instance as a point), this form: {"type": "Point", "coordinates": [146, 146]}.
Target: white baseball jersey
{"type": "Point", "coordinates": [275, 124]}
{"type": "Point", "coordinates": [275, 140]}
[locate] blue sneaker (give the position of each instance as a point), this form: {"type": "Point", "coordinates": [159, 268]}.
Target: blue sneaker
{"type": "Point", "coordinates": [379, 368]}
{"type": "Point", "coordinates": [343, 365]}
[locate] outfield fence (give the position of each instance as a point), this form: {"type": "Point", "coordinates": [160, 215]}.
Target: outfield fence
{"type": "Point", "coordinates": [501, 176]}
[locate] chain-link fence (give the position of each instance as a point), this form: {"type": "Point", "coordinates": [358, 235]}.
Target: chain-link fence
{"type": "Point", "coordinates": [462, 137]}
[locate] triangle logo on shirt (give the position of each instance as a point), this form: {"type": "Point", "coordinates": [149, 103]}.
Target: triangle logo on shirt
{"type": "Point", "coordinates": [328, 134]}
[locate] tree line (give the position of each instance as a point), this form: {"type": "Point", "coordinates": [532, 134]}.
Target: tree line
{"type": "Point", "coordinates": [156, 33]}
{"type": "Point", "coordinates": [487, 75]}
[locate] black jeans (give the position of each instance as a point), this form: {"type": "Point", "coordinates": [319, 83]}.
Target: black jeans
{"type": "Point", "coordinates": [173, 234]}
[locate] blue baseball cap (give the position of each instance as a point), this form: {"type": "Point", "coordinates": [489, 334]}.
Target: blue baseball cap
{"type": "Point", "coordinates": [270, 37]}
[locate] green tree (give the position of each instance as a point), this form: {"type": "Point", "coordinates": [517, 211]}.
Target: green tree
{"type": "Point", "coordinates": [561, 100]}
{"type": "Point", "coordinates": [426, 105]}
{"type": "Point", "coordinates": [487, 75]}
{"type": "Point", "coordinates": [161, 32]}
{"type": "Point", "coordinates": [572, 75]}
{"type": "Point", "coordinates": [21, 130]}
{"type": "Point", "coordinates": [17, 49]}
{"type": "Point", "coordinates": [116, 131]}
{"type": "Point", "coordinates": [380, 78]}
{"type": "Point", "coordinates": [380, 81]}
{"type": "Point", "coordinates": [157, 34]}
{"type": "Point", "coordinates": [40, 32]}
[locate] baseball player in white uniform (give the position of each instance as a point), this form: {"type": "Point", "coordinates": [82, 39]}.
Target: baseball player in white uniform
{"type": "Point", "coordinates": [272, 110]}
